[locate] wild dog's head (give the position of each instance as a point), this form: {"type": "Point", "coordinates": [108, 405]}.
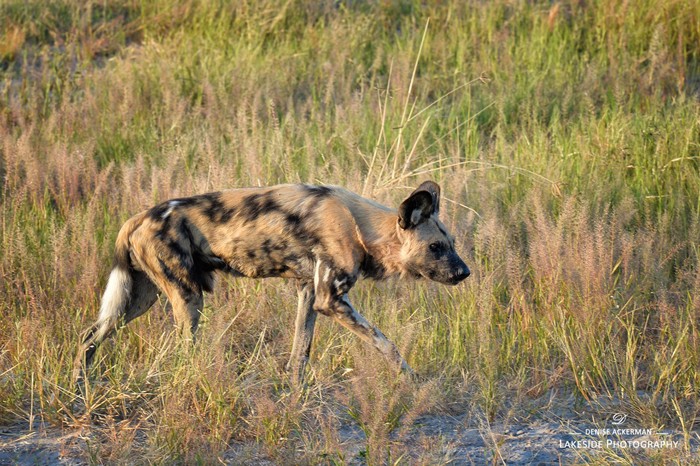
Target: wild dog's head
{"type": "Point", "coordinates": [427, 249]}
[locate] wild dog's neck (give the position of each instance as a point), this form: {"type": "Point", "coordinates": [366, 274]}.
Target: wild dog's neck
{"type": "Point", "coordinates": [378, 232]}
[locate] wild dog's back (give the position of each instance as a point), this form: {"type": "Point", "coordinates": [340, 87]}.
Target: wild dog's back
{"type": "Point", "coordinates": [258, 232]}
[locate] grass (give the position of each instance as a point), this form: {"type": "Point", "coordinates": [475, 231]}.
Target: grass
{"type": "Point", "coordinates": [565, 136]}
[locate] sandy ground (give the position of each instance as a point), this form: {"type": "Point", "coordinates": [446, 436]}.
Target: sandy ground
{"type": "Point", "coordinates": [548, 434]}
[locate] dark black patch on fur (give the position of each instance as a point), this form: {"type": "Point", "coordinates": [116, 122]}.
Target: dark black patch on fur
{"type": "Point", "coordinates": [308, 238]}
{"type": "Point", "coordinates": [174, 244]}
{"type": "Point", "coordinates": [269, 246]}
{"type": "Point", "coordinates": [168, 272]}
{"type": "Point", "coordinates": [371, 268]}
{"type": "Point", "coordinates": [345, 282]}
{"type": "Point", "coordinates": [183, 231]}
{"type": "Point", "coordinates": [291, 259]}
{"type": "Point", "coordinates": [201, 273]}
{"type": "Point", "coordinates": [164, 235]}
{"type": "Point", "coordinates": [157, 212]}
{"type": "Point", "coordinates": [440, 250]}
{"type": "Point", "coordinates": [210, 264]}
{"type": "Point", "coordinates": [279, 270]}
{"type": "Point", "coordinates": [270, 270]}
{"type": "Point", "coordinates": [294, 220]}
{"type": "Point", "coordinates": [255, 205]}
{"type": "Point", "coordinates": [170, 275]}
{"type": "Point", "coordinates": [296, 228]}
{"type": "Point", "coordinates": [201, 265]}
{"type": "Point", "coordinates": [176, 248]}
{"type": "Point", "coordinates": [123, 258]}
{"type": "Point", "coordinates": [266, 246]}
{"type": "Point", "coordinates": [293, 262]}
{"type": "Point", "coordinates": [317, 191]}
{"type": "Point", "coordinates": [163, 232]}
{"type": "Point", "coordinates": [216, 211]}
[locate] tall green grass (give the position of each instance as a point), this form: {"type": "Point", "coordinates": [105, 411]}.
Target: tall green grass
{"type": "Point", "coordinates": [565, 136]}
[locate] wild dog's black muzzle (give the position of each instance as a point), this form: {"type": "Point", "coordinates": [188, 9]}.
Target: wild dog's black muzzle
{"type": "Point", "coordinates": [461, 271]}
{"type": "Point", "coordinates": [459, 276]}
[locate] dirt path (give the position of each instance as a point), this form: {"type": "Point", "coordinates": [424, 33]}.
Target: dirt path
{"type": "Point", "coordinates": [553, 436]}
{"type": "Point", "coordinates": [19, 446]}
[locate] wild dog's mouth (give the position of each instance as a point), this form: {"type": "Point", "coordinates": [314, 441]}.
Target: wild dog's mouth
{"type": "Point", "coordinates": [457, 279]}
{"type": "Point", "coordinates": [453, 279]}
{"type": "Point", "coordinates": [435, 276]}
{"type": "Point", "coordinates": [412, 272]}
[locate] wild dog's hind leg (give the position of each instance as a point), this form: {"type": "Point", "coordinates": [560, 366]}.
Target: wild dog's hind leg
{"type": "Point", "coordinates": [165, 255]}
{"type": "Point", "coordinates": [187, 304]}
{"type": "Point", "coordinates": [303, 331]}
{"type": "Point", "coordinates": [143, 296]}
{"type": "Point", "coordinates": [187, 309]}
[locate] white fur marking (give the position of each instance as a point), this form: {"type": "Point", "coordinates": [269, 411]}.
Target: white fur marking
{"type": "Point", "coordinates": [317, 275]}
{"type": "Point", "coordinates": [171, 204]}
{"type": "Point", "coordinates": [116, 295]}
{"type": "Point", "coordinates": [327, 275]}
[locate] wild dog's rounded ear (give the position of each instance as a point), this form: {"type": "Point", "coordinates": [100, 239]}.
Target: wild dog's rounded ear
{"type": "Point", "coordinates": [421, 204]}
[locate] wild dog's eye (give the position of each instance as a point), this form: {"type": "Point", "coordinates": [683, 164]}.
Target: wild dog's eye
{"type": "Point", "coordinates": [435, 247]}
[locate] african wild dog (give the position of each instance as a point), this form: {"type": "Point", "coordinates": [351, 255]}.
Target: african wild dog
{"type": "Point", "coordinates": [325, 237]}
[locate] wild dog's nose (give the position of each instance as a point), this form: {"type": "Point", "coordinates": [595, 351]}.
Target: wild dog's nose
{"type": "Point", "coordinates": [461, 274]}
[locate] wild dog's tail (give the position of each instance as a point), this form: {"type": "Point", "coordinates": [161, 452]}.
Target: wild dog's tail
{"type": "Point", "coordinates": [114, 300]}
{"type": "Point", "coordinates": [118, 291]}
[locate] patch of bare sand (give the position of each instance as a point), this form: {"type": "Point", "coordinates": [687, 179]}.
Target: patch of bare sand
{"type": "Point", "coordinates": [565, 431]}
{"type": "Point", "coordinates": [41, 445]}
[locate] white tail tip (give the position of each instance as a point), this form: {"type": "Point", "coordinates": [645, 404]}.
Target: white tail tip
{"type": "Point", "coordinates": [116, 295]}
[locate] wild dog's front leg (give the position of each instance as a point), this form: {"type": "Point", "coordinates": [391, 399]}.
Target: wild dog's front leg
{"type": "Point", "coordinates": [303, 331]}
{"type": "Point", "coordinates": [332, 284]}
{"type": "Point", "coordinates": [349, 318]}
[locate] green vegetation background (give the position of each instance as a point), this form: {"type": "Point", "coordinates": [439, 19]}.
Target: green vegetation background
{"type": "Point", "coordinates": [566, 136]}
